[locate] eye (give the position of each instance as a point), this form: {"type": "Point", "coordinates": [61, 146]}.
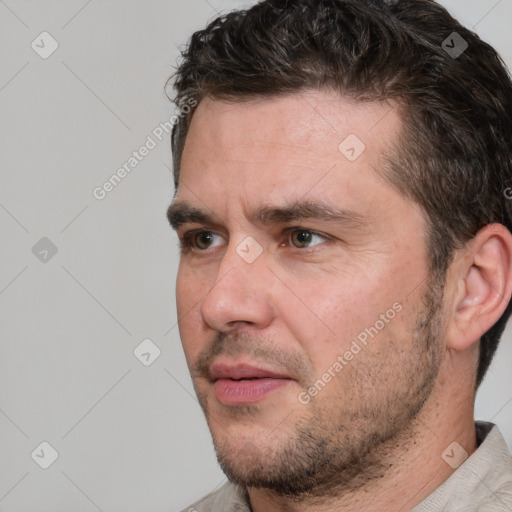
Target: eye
{"type": "Point", "coordinates": [303, 238]}
{"type": "Point", "coordinates": [198, 240]}
{"type": "Point", "coordinates": [202, 240]}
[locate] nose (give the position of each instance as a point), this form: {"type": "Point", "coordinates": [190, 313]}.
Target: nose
{"type": "Point", "coordinates": [241, 294]}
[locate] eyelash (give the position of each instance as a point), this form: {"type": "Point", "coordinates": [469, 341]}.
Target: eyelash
{"type": "Point", "coordinates": [187, 240]}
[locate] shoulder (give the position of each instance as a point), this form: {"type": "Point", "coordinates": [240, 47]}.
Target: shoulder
{"type": "Point", "coordinates": [483, 483]}
{"type": "Point", "coordinates": [229, 498]}
{"type": "Point", "coordinates": [499, 500]}
{"type": "Point", "coordinates": [493, 469]}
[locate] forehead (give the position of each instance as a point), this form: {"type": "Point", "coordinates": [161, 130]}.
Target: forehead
{"type": "Point", "coordinates": [300, 144]}
{"type": "Point", "coordinates": [301, 119]}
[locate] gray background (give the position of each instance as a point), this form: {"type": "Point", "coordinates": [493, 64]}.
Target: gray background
{"type": "Point", "coordinates": [129, 437]}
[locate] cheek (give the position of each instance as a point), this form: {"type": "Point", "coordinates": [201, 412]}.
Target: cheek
{"type": "Point", "coordinates": [190, 288]}
{"type": "Point", "coordinates": [334, 314]}
{"type": "Point", "coordinates": [188, 295]}
{"type": "Point", "coordinates": [182, 295]}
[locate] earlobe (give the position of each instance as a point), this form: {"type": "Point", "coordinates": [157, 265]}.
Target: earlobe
{"type": "Point", "coordinates": [485, 286]}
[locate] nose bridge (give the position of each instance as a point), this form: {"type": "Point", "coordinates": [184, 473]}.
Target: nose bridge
{"type": "Point", "coordinates": [243, 263]}
{"type": "Point", "coordinates": [239, 293]}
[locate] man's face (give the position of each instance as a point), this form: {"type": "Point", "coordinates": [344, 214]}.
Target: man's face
{"type": "Point", "coordinates": [308, 337]}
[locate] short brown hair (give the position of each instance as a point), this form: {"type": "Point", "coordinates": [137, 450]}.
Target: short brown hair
{"type": "Point", "coordinates": [454, 154]}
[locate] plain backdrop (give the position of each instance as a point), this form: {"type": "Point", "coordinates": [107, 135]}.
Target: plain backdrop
{"type": "Point", "coordinates": [83, 281]}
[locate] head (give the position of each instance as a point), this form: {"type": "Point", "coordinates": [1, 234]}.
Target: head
{"type": "Point", "coordinates": [346, 174]}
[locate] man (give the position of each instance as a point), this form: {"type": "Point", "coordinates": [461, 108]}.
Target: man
{"type": "Point", "coordinates": [345, 271]}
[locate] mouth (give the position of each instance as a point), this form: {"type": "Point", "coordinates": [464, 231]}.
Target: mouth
{"type": "Point", "coordinates": [244, 384]}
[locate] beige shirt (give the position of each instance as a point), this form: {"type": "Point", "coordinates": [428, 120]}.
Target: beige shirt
{"type": "Point", "coordinates": [483, 483]}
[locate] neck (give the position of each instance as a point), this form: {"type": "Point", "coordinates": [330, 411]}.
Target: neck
{"type": "Point", "coordinates": [414, 459]}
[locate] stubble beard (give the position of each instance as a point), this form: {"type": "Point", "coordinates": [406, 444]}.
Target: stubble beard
{"type": "Point", "coordinates": [331, 450]}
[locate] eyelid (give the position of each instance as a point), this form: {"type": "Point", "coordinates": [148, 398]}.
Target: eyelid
{"type": "Point", "coordinates": [185, 238]}
{"type": "Point", "coordinates": [287, 231]}
{"type": "Point", "coordinates": [182, 232]}
{"type": "Point", "coordinates": [192, 232]}
{"type": "Point", "coordinates": [309, 249]}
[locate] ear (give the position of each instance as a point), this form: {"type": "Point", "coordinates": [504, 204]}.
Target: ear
{"type": "Point", "coordinates": [483, 285]}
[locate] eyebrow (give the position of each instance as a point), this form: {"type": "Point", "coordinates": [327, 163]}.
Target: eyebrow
{"type": "Point", "coordinates": [181, 212]}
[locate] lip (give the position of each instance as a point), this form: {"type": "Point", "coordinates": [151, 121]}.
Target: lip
{"type": "Point", "coordinates": [237, 371]}
{"type": "Point", "coordinates": [243, 384]}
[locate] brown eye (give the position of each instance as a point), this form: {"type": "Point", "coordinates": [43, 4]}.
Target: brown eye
{"type": "Point", "coordinates": [301, 238]}
{"type": "Point", "coordinates": [203, 239]}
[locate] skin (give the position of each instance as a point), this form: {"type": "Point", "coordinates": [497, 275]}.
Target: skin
{"type": "Point", "coordinates": [387, 417]}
